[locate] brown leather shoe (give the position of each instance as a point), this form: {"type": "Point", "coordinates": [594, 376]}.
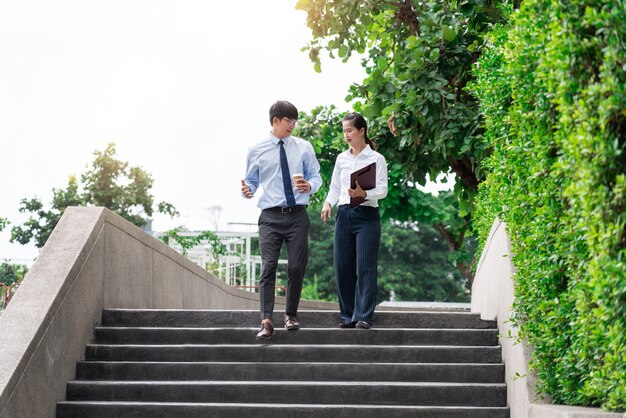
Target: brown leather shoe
{"type": "Point", "coordinates": [291, 323]}
{"type": "Point", "coordinates": [266, 331]}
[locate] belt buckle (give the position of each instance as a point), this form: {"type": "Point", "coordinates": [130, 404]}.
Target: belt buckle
{"type": "Point", "coordinates": [285, 209]}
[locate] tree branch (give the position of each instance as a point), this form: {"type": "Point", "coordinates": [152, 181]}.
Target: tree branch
{"type": "Point", "coordinates": [464, 170]}
{"type": "Point", "coordinates": [406, 14]}
{"type": "Point", "coordinates": [447, 236]}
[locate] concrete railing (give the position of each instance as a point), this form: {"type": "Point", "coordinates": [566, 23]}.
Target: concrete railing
{"type": "Point", "coordinates": [492, 297]}
{"type": "Point", "coordinates": [94, 259]}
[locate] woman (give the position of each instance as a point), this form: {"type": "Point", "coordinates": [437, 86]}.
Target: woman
{"type": "Point", "coordinates": [357, 229]}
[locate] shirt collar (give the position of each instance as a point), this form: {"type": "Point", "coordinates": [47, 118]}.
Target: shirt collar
{"type": "Point", "coordinates": [365, 151]}
{"type": "Point", "coordinates": [276, 140]}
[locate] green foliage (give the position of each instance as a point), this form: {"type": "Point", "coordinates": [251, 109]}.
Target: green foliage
{"type": "Point", "coordinates": [40, 224]}
{"type": "Point", "coordinates": [552, 87]}
{"type": "Point", "coordinates": [120, 187]}
{"type": "Point", "coordinates": [404, 201]}
{"type": "Point", "coordinates": [310, 290]}
{"type": "Point", "coordinates": [418, 57]}
{"type": "Point", "coordinates": [323, 129]}
{"type": "Point", "coordinates": [110, 183]}
{"type": "Point", "coordinates": [12, 273]}
{"type": "Point", "coordinates": [320, 271]}
{"type": "Point", "coordinates": [3, 223]}
{"type": "Point", "coordinates": [188, 241]}
{"type": "Point", "coordinates": [413, 263]}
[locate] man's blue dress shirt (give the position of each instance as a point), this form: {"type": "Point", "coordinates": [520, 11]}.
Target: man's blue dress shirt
{"type": "Point", "coordinates": [263, 169]}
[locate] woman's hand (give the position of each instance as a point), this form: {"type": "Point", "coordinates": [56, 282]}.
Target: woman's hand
{"type": "Point", "coordinates": [325, 212]}
{"type": "Point", "coordinates": [357, 191]}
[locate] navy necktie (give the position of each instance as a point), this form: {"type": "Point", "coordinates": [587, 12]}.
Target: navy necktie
{"type": "Point", "coordinates": [284, 168]}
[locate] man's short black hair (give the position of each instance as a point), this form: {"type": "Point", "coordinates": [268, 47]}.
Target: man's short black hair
{"type": "Point", "coordinates": [283, 109]}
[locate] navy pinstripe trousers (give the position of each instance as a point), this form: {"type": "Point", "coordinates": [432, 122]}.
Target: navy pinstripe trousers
{"type": "Point", "coordinates": [357, 239]}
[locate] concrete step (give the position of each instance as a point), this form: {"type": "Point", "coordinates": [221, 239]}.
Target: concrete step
{"type": "Point", "coordinates": [379, 336]}
{"type": "Point", "coordinates": [271, 371]}
{"type": "Point", "coordinates": [238, 410]}
{"type": "Point", "coordinates": [308, 319]}
{"type": "Point", "coordinates": [327, 392]}
{"type": "Point", "coordinates": [200, 363]}
{"type": "Point", "coordinates": [296, 353]}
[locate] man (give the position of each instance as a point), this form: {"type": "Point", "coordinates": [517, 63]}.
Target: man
{"type": "Point", "coordinates": [271, 165]}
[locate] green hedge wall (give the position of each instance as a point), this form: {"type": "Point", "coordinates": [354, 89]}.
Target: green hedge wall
{"type": "Point", "coordinates": [552, 87]}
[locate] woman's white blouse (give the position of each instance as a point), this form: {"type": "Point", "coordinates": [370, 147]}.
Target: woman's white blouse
{"type": "Point", "coordinates": [345, 165]}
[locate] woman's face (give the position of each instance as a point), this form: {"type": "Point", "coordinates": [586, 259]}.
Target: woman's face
{"type": "Point", "coordinates": [354, 137]}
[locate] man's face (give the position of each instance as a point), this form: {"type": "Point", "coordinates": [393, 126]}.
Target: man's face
{"type": "Point", "coordinates": [282, 128]}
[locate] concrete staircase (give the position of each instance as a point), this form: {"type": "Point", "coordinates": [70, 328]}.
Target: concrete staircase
{"type": "Point", "coordinates": [192, 364]}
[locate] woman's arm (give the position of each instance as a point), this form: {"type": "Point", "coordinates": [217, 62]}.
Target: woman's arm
{"type": "Point", "coordinates": [333, 192]}
{"type": "Point", "coordinates": [335, 185]}
{"type": "Point", "coordinates": [381, 189]}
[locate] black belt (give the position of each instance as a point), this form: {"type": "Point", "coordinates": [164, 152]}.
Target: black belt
{"type": "Point", "coordinates": [287, 209]}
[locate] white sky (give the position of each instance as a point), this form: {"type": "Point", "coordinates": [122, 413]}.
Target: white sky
{"type": "Point", "coordinates": [182, 87]}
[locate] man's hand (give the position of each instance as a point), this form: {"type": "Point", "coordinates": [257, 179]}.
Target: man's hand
{"type": "Point", "coordinates": [325, 212]}
{"type": "Point", "coordinates": [357, 191]}
{"type": "Point", "coordinates": [245, 190]}
{"type": "Point", "coordinates": [302, 186]}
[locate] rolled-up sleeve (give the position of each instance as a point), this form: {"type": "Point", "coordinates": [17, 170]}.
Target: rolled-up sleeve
{"type": "Point", "coordinates": [382, 187]}
{"type": "Point", "coordinates": [252, 172]}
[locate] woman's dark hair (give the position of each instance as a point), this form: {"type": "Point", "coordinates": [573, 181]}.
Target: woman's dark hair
{"type": "Point", "coordinates": [283, 109]}
{"type": "Point", "coordinates": [358, 121]}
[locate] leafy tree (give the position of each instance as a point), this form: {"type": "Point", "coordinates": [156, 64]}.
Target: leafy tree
{"type": "Point", "coordinates": [418, 57]}
{"type": "Point", "coordinates": [413, 263]}
{"type": "Point", "coordinates": [404, 202]}
{"type": "Point", "coordinates": [11, 273]}
{"type": "Point", "coordinates": [3, 223]}
{"type": "Point", "coordinates": [320, 272]}
{"type": "Point", "coordinates": [109, 182]}
{"type": "Point", "coordinates": [310, 289]}
{"type": "Point", "coordinates": [188, 241]}
{"type": "Point", "coordinates": [39, 226]}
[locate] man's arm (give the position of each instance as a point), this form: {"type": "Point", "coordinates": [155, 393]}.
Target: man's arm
{"type": "Point", "coordinates": [250, 183]}
{"type": "Point", "coordinates": [312, 169]}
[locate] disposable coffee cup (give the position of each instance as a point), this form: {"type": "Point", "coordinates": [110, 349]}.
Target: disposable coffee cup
{"type": "Point", "coordinates": [296, 177]}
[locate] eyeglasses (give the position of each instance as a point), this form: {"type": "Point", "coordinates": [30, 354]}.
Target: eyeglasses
{"type": "Point", "coordinates": [291, 122]}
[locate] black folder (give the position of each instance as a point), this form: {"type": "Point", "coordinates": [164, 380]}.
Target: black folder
{"type": "Point", "coordinates": [366, 177]}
